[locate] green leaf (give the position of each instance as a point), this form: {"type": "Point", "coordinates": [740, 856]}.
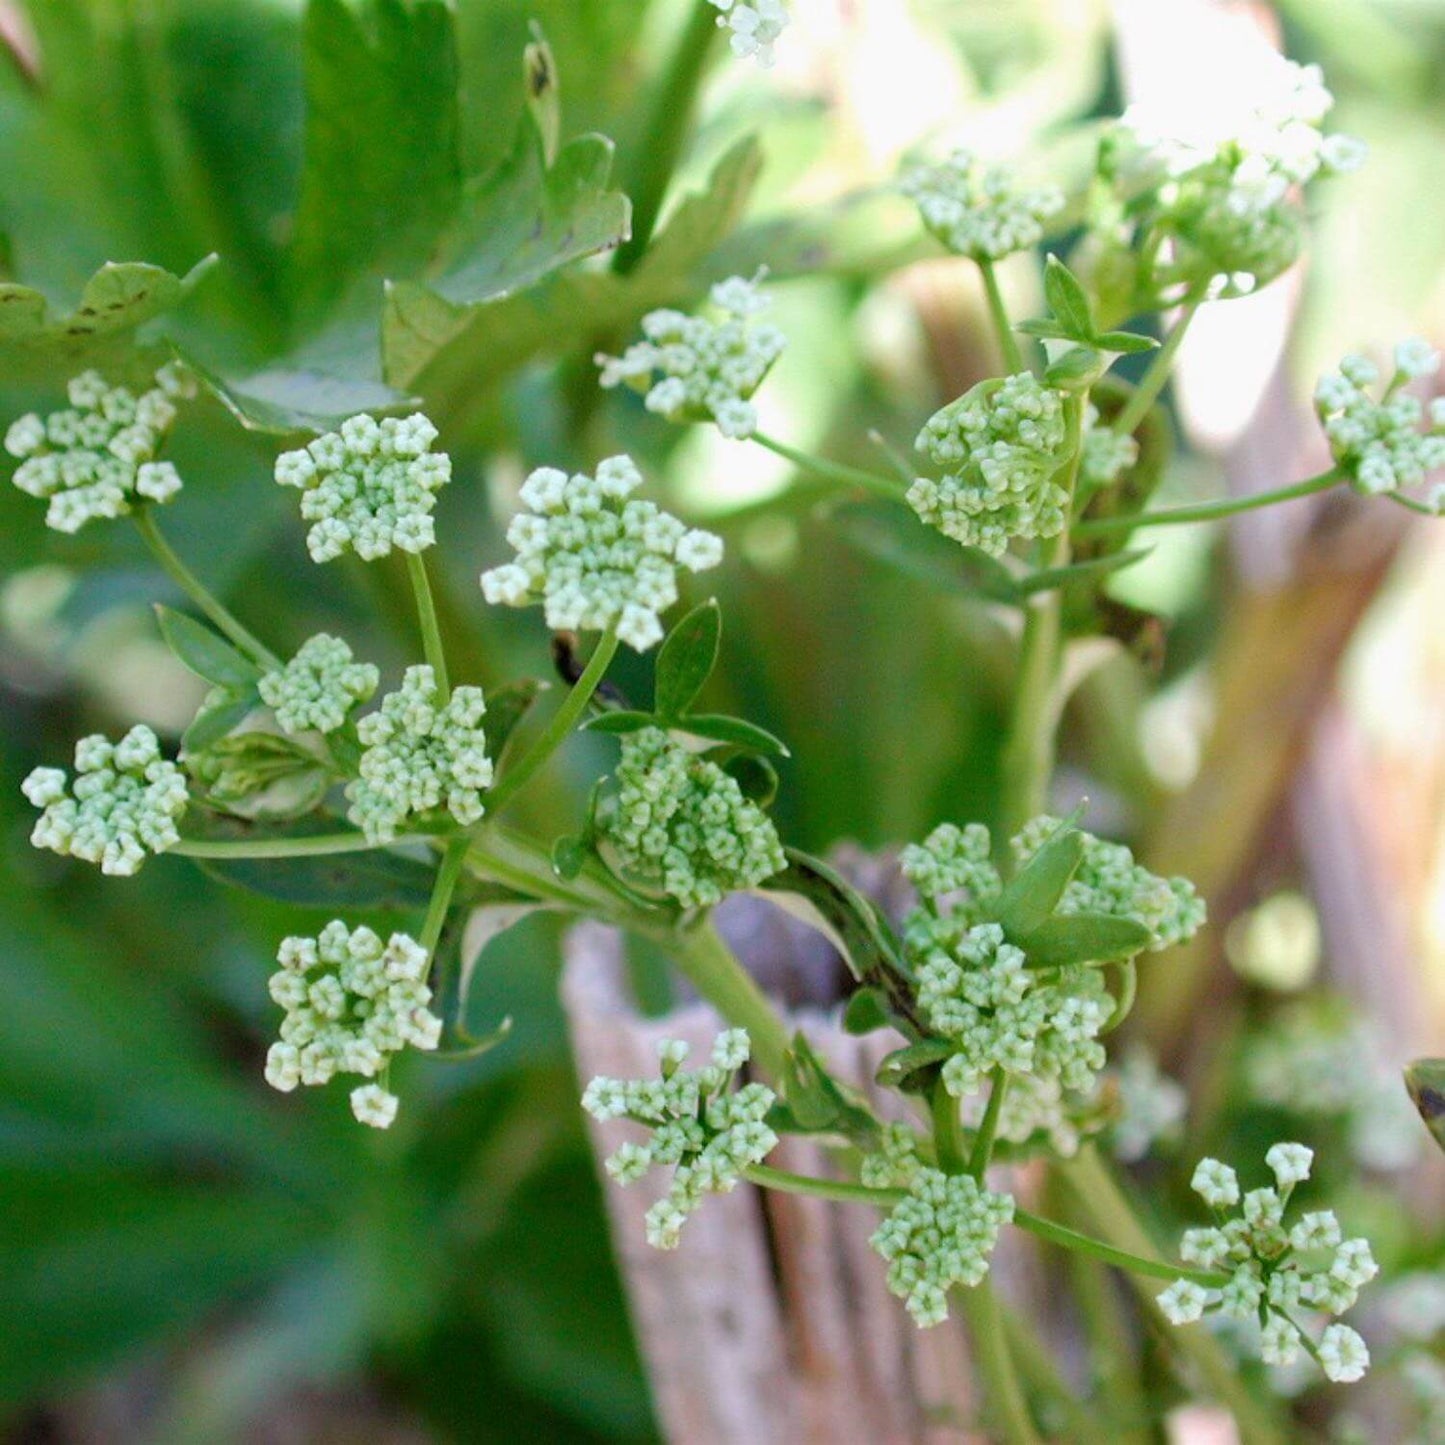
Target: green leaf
{"type": "Point", "coordinates": [539, 73]}
{"type": "Point", "coordinates": [619, 722]}
{"type": "Point", "coordinates": [205, 652]}
{"type": "Point", "coordinates": [212, 724]}
{"type": "Point", "coordinates": [755, 776]}
{"type": "Point", "coordinates": [1425, 1081]}
{"type": "Point", "coordinates": [499, 909]}
{"type": "Point", "coordinates": [1032, 896]}
{"type": "Point", "coordinates": [686, 660]}
{"type": "Point", "coordinates": [840, 912]}
{"type": "Point", "coordinates": [1068, 301]}
{"type": "Point", "coordinates": [1046, 330]}
{"type": "Point", "coordinates": [866, 1011]}
{"type": "Point", "coordinates": [506, 707]}
{"type": "Point", "coordinates": [343, 880]}
{"type": "Point", "coordinates": [734, 730]}
{"type": "Point", "coordinates": [568, 856]}
{"type": "Point", "coordinates": [1051, 578]}
{"type": "Point", "coordinates": [817, 1102]}
{"type": "Point", "coordinates": [894, 535]}
{"type": "Point", "coordinates": [287, 399]}
{"type": "Point", "coordinates": [1125, 343]}
{"type": "Point", "coordinates": [1072, 938]}
{"type": "Point", "coordinates": [897, 1070]}
{"type": "Point", "coordinates": [1076, 370]}
{"type": "Point", "coordinates": [381, 172]}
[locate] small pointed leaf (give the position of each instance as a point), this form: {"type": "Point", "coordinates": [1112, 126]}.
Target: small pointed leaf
{"type": "Point", "coordinates": [1125, 343]}
{"type": "Point", "coordinates": [896, 1069]}
{"type": "Point", "coordinates": [1032, 896]}
{"type": "Point", "coordinates": [1073, 938]}
{"type": "Point", "coordinates": [620, 721]}
{"type": "Point", "coordinates": [686, 660]}
{"type": "Point", "coordinates": [204, 652]}
{"type": "Point", "coordinates": [211, 724]}
{"type": "Point", "coordinates": [867, 1011]}
{"type": "Point", "coordinates": [734, 730]}
{"type": "Point", "coordinates": [1068, 301]}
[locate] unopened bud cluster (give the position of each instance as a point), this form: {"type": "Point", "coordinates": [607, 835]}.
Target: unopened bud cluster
{"type": "Point", "coordinates": [122, 803]}
{"type": "Point", "coordinates": [1275, 1274]}
{"type": "Point", "coordinates": [369, 487]}
{"type": "Point", "coordinates": [683, 825]}
{"type": "Point", "coordinates": [999, 447]}
{"type": "Point", "coordinates": [316, 690]}
{"type": "Point", "coordinates": [980, 210]}
{"type": "Point", "coordinates": [595, 557]}
{"type": "Point", "coordinates": [97, 457]}
{"type": "Point", "coordinates": [752, 26]}
{"type": "Point", "coordinates": [352, 1003]}
{"type": "Point", "coordinates": [706, 370]}
{"type": "Point", "coordinates": [706, 1130]}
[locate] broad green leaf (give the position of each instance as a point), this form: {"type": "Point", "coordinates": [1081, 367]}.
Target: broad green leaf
{"type": "Point", "coordinates": [342, 880]}
{"type": "Point", "coordinates": [1068, 301]}
{"type": "Point", "coordinates": [620, 722]}
{"type": "Point", "coordinates": [381, 173]}
{"type": "Point", "coordinates": [205, 652]}
{"type": "Point", "coordinates": [720, 729]}
{"type": "Point", "coordinates": [1425, 1080]}
{"type": "Point", "coordinates": [1072, 938]}
{"type": "Point", "coordinates": [506, 707]}
{"type": "Point", "coordinates": [686, 660]}
{"type": "Point", "coordinates": [755, 776]}
{"type": "Point", "coordinates": [211, 724]}
{"type": "Point", "coordinates": [897, 1069]}
{"type": "Point", "coordinates": [283, 400]}
{"type": "Point", "coordinates": [1030, 899]}
{"type": "Point", "coordinates": [499, 910]}
{"type": "Point", "coordinates": [866, 1011]}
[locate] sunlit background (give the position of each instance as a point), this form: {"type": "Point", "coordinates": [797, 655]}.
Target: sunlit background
{"type": "Point", "coordinates": [187, 1256]}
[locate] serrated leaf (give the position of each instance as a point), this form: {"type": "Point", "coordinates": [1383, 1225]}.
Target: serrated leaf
{"type": "Point", "coordinates": [895, 1069]}
{"type": "Point", "coordinates": [1073, 938]}
{"type": "Point", "coordinates": [755, 776]}
{"type": "Point", "coordinates": [1068, 301]}
{"type": "Point", "coordinates": [204, 652]}
{"type": "Point", "coordinates": [734, 730]}
{"type": "Point", "coordinates": [1051, 578]}
{"type": "Point", "coordinates": [686, 660]}
{"type": "Point", "coordinates": [214, 723]}
{"type": "Point", "coordinates": [568, 856]}
{"type": "Point", "coordinates": [506, 707]}
{"type": "Point", "coordinates": [1425, 1082]}
{"type": "Point", "coordinates": [866, 1011]}
{"type": "Point", "coordinates": [619, 722]}
{"type": "Point", "coordinates": [1030, 899]}
{"type": "Point", "coordinates": [1125, 343]}
{"type": "Point", "coordinates": [895, 536]}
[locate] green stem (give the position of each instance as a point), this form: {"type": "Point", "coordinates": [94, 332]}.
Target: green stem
{"type": "Point", "coordinates": [1152, 382]}
{"type": "Point", "coordinates": [834, 471]}
{"type": "Point", "coordinates": [1068, 1238]}
{"type": "Point", "coordinates": [1110, 1338]}
{"type": "Point", "coordinates": [199, 593]}
{"type": "Point", "coordinates": [426, 613]}
{"type": "Point", "coordinates": [712, 968]}
{"type": "Point", "coordinates": [1208, 511]}
{"type": "Point", "coordinates": [947, 1130]}
{"type": "Point", "coordinates": [660, 143]}
{"type": "Point", "coordinates": [1028, 757]}
{"type": "Point", "coordinates": [995, 1364]}
{"type": "Point", "coordinates": [453, 861]}
{"type": "Point", "coordinates": [558, 729]}
{"type": "Point", "coordinates": [314, 845]}
{"type": "Point", "coordinates": [843, 1192]}
{"type": "Point", "coordinates": [1012, 355]}
{"type": "Point", "coordinates": [508, 858]}
{"type": "Point", "coordinates": [988, 1128]}
{"type": "Point", "coordinates": [1083, 1427]}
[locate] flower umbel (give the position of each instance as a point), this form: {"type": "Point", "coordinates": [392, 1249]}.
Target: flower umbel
{"type": "Point", "coordinates": [122, 804]}
{"type": "Point", "coordinates": [980, 210]}
{"type": "Point", "coordinates": [369, 487]}
{"type": "Point", "coordinates": [318, 687]}
{"type": "Point", "coordinates": [1275, 1273]}
{"type": "Point", "coordinates": [1000, 446]}
{"type": "Point", "coordinates": [352, 1003]}
{"type": "Point", "coordinates": [595, 557]}
{"type": "Point", "coordinates": [422, 754]}
{"type": "Point", "coordinates": [708, 369]}
{"type": "Point", "coordinates": [708, 1131]}
{"type": "Point", "coordinates": [753, 25]}
{"type": "Point", "coordinates": [97, 458]}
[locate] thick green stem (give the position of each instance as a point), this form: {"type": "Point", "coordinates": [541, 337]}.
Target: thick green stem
{"type": "Point", "coordinates": [712, 968]}
{"type": "Point", "coordinates": [316, 845]}
{"type": "Point", "coordinates": [1068, 1238]}
{"type": "Point", "coordinates": [947, 1131]}
{"type": "Point", "coordinates": [988, 1128]}
{"type": "Point", "coordinates": [1209, 511]}
{"type": "Point", "coordinates": [199, 593]}
{"type": "Point", "coordinates": [453, 861]}
{"type": "Point", "coordinates": [558, 729]}
{"type": "Point", "coordinates": [995, 1364]}
{"type": "Point", "coordinates": [1008, 341]}
{"type": "Point", "coordinates": [660, 142]}
{"type": "Point", "coordinates": [850, 477]}
{"type": "Point", "coordinates": [426, 614]}
{"type": "Point", "coordinates": [1152, 382]}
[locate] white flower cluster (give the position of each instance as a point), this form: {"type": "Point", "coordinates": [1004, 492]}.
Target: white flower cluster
{"type": "Point", "coordinates": [352, 1003]}
{"type": "Point", "coordinates": [369, 487]}
{"type": "Point", "coordinates": [708, 369]}
{"type": "Point", "coordinates": [1275, 1272]}
{"type": "Point", "coordinates": [97, 457]}
{"type": "Point", "coordinates": [1152, 1106]}
{"type": "Point", "coordinates": [1000, 445]}
{"type": "Point", "coordinates": [682, 824]}
{"type": "Point", "coordinates": [1227, 185]}
{"type": "Point", "coordinates": [319, 686]}
{"type": "Point", "coordinates": [980, 210]}
{"type": "Point", "coordinates": [952, 860]}
{"type": "Point", "coordinates": [978, 991]}
{"type": "Point", "coordinates": [1108, 880]}
{"type": "Point", "coordinates": [1379, 445]}
{"type": "Point", "coordinates": [421, 754]}
{"type": "Point", "coordinates": [708, 1131]}
{"type": "Point", "coordinates": [122, 804]}
{"type": "Point", "coordinates": [1105, 455]}
{"type": "Point", "coordinates": [754, 26]}
{"type": "Point", "coordinates": [943, 1234]}
{"type": "Point", "coordinates": [595, 557]}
